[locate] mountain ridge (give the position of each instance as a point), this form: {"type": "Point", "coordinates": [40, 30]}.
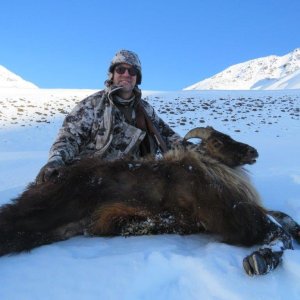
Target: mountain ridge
{"type": "Point", "coordinates": [9, 79]}
{"type": "Point", "coordinates": [269, 72]}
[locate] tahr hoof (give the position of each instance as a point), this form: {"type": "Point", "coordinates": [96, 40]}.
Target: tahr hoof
{"type": "Point", "coordinates": [255, 264]}
{"type": "Point", "coordinates": [261, 262]}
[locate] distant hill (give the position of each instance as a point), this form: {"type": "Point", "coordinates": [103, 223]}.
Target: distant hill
{"type": "Point", "coordinates": [9, 79]}
{"type": "Point", "coordinates": [265, 73]}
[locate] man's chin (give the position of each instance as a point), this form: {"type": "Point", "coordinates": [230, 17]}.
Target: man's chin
{"type": "Point", "coordinates": [126, 87]}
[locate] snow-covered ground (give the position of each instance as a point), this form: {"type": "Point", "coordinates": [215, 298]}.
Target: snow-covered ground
{"type": "Point", "coordinates": [154, 267]}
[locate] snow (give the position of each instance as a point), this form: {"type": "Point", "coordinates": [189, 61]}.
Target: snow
{"type": "Point", "coordinates": [291, 81]}
{"type": "Point", "coordinates": [266, 73]}
{"type": "Point", "coordinates": [10, 80]}
{"type": "Point", "coordinates": [154, 267]}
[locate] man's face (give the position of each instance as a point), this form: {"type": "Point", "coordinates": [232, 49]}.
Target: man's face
{"type": "Point", "coordinates": [125, 80]}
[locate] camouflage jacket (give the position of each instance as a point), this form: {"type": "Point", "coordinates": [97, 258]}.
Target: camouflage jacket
{"type": "Point", "coordinates": [96, 127]}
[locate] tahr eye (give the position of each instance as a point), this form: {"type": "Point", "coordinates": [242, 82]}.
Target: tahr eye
{"type": "Point", "coordinates": [217, 143]}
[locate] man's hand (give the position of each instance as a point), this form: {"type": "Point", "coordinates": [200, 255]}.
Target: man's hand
{"type": "Point", "coordinates": [50, 171]}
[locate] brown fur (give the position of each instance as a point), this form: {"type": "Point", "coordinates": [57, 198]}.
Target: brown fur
{"type": "Point", "coordinates": [109, 218]}
{"type": "Point", "coordinates": [191, 189]}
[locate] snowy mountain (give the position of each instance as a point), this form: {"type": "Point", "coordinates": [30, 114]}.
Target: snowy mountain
{"type": "Point", "coordinates": [265, 73]}
{"type": "Point", "coordinates": [10, 80]}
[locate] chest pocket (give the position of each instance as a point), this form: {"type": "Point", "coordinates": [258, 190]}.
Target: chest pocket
{"type": "Point", "coordinates": [126, 140]}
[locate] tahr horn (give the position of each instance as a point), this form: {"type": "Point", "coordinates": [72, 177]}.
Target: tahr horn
{"type": "Point", "coordinates": [199, 132]}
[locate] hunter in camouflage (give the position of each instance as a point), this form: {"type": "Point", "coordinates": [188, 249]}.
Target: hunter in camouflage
{"type": "Point", "coordinates": [111, 124]}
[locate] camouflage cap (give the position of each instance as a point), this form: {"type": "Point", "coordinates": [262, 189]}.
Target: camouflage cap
{"type": "Point", "coordinates": [125, 57]}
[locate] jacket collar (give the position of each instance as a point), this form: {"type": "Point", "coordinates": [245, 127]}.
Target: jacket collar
{"type": "Point", "coordinates": [112, 90]}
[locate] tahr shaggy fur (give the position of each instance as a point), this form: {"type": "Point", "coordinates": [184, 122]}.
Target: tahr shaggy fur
{"type": "Point", "coordinates": [192, 189]}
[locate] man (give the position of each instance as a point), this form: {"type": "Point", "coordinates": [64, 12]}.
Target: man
{"type": "Point", "coordinates": [111, 124]}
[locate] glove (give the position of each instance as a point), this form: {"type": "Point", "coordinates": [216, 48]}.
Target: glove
{"type": "Point", "coordinates": [50, 171]}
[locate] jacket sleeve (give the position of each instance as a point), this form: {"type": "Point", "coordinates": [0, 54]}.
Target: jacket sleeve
{"type": "Point", "coordinates": [169, 135]}
{"type": "Point", "coordinates": [74, 133]}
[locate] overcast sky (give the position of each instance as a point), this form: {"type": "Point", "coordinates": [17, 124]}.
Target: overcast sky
{"type": "Point", "coordinates": [69, 44]}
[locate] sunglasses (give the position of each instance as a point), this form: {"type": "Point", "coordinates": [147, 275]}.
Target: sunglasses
{"type": "Point", "coordinates": [131, 71]}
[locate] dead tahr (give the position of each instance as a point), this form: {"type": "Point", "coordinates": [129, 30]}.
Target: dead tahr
{"type": "Point", "coordinates": [193, 189]}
